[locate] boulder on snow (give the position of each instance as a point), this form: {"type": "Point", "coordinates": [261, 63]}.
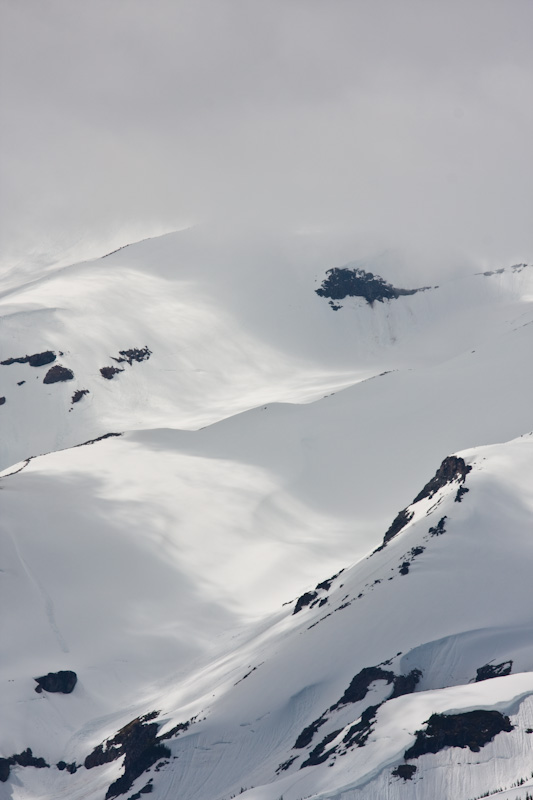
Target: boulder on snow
{"type": "Point", "coordinates": [63, 681]}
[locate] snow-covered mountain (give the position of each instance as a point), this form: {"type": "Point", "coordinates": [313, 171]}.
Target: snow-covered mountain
{"type": "Point", "coordinates": [253, 420]}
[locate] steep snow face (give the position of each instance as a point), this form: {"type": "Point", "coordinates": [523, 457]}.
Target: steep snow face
{"type": "Point", "coordinates": [225, 328]}
{"type": "Point", "coordinates": [323, 699]}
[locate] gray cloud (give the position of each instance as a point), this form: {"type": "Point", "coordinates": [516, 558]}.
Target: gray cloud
{"type": "Point", "coordinates": [405, 123]}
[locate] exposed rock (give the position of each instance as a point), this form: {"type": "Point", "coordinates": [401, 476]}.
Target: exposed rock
{"type": "Point", "coordinates": [306, 736]}
{"type": "Point", "coordinates": [439, 528]}
{"type": "Point", "coordinates": [404, 568]}
{"type": "Point", "coordinates": [304, 600]}
{"type": "Point", "coordinates": [62, 765]}
{"type": "Point", "coordinates": [320, 754]}
{"type": "Point", "coordinates": [24, 759]}
{"type": "Point", "coordinates": [19, 383]}
{"type": "Point", "coordinates": [110, 372]}
{"type": "Point", "coordinates": [405, 771]}
{"type": "Point", "coordinates": [473, 729]}
{"type": "Point", "coordinates": [2, 401]}
{"type": "Point", "coordinates": [5, 769]}
{"type": "Point", "coordinates": [399, 522]}
{"type": "Point", "coordinates": [406, 684]}
{"type": "Point", "coordinates": [36, 360]}
{"type": "Point", "coordinates": [78, 394]}
{"type": "Point", "coordinates": [63, 681]}
{"type": "Point", "coordinates": [58, 373]}
{"type": "Point", "coordinates": [460, 492]}
{"type": "Point", "coordinates": [135, 354]}
{"type": "Point", "coordinates": [359, 733]}
{"type": "Point", "coordinates": [345, 282]}
{"type": "Point", "coordinates": [138, 743]}
{"type": "Point", "coordinates": [146, 789]}
{"type": "Point", "coordinates": [98, 439]}
{"type": "Point", "coordinates": [488, 671]}
{"type": "Point", "coordinates": [286, 764]}
{"type": "Point", "coordinates": [453, 468]}
{"type": "Point", "coordinates": [360, 684]}
{"type": "Point", "coordinates": [27, 759]}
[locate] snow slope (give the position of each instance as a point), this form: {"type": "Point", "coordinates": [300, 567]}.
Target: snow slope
{"type": "Point", "coordinates": [158, 563]}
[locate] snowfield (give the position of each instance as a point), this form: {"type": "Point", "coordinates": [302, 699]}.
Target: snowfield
{"type": "Point", "coordinates": [214, 572]}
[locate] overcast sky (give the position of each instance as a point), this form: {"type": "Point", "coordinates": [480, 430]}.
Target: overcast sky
{"type": "Point", "coordinates": [410, 122]}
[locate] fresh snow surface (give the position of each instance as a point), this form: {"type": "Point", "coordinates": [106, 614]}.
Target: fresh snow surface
{"type": "Point", "coordinates": [262, 451]}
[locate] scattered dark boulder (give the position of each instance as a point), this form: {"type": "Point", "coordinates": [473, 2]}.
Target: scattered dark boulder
{"type": "Point", "coordinates": [453, 468]}
{"type": "Point", "coordinates": [345, 282]}
{"type": "Point", "coordinates": [473, 729]}
{"type": "Point", "coordinates": [360, 684]}
{"type": "Point", "coordinates": [36, 360]}
{"type": "Point", "coordinates": [404, 568]}
{"type": "Point", "coordinates": [462, 490]}
{"type": "Point", "coordinates": [57, 374]}
{"type": "Point", "coordinates": [78, 394]}
{"type": "Point", "coordinates": [63, 681]}
{"type": "Point", "coordinates": [304, 600]}
{"type": "Point", "coordinates": [438, 529]}
{"type": "Point", "coordinates": [306, 736]}
{"type": "Point", "coordinates": [2, 401]}
{"type": "Point", "coordinates": [110, 372]}
{"type": "Point", "coordinates": [488, 671]}
{"type": "Point", "coordinates": [62, 765]}
{"type": "Point", "coordinates": [135, 354]}
{"type": "Point", "coordinates": [405, 771]}
{"type": "Point", "coordinates": [19, 383]}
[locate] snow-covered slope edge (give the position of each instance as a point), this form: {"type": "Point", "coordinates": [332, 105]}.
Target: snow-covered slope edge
{"type": "Point", "coordinates": [326, 700]}
{"type": "Point", "coordinates": [179, 332]}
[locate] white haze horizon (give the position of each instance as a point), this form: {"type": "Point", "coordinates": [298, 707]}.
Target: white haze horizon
{"type": "Point", "coordinates": [360, 128]}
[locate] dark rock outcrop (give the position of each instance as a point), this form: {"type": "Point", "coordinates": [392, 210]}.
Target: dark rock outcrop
{"type": "Point", "coordinates": [135, 354]}
{"type": "Point", "coordinates": [360, 684]}
{"type": "Point", "coordinates": [405, 771]}
{"type": "Point", "coordinates": [24, 759]}
{"type": "Point", "coordinates": [63, 681]}
{"type": "Point", "coordinates": [5, 769]}
{"type": "Point", "coordinates": [2, 401]}
{"type": "Point", "coordinates": [345, 282]}
{"type": "Point", "coordinates": [110, 372]}
{"type": "Point", "coordinates": [58, 373]}
{"type": "Point", "coordinates": [304, 600]}
{"type": "Point", "coordinates": [36, 360]}
{"type": "Point", "coordinates": [306, 736]}
{"type": "Point", "coordinates": [439, 528]}
{"type": "Point", "coordinates": [399, 522]}
{"type": "Point", "coordinates": [78, 394]}
{"type": "Point", "coordinates": [453, 468]}
{"type": "Point", "coordinates": [139, 744]}
{"type": "Point", "coordinates": [473, 729]}
{"type": "Point", "coordinates": [488, 671]}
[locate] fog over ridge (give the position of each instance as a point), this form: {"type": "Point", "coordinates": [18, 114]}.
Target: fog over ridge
{"type": "Point", "coordinates": [399, 125]}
